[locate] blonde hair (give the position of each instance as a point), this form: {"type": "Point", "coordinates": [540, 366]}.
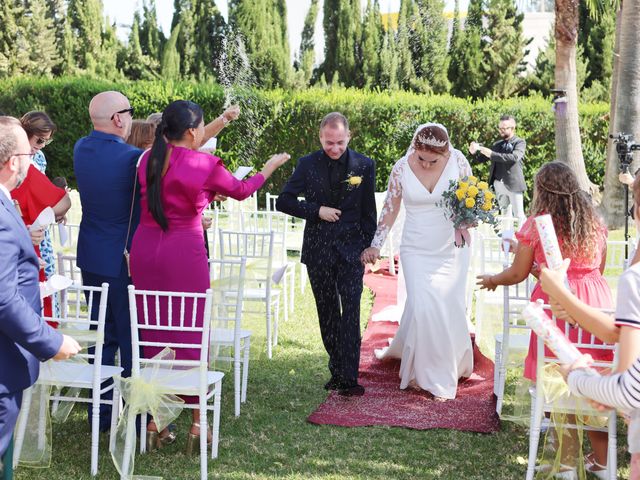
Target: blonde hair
{"type": "Point", "coordinates": [142, 134]}
{"type": "Point", "coordinates": [575, 219]}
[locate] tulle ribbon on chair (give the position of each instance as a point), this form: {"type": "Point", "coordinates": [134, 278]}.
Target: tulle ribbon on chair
{"type": "Point", "coordinates": [33, 428]}
{"type": "Point", "coordinates": [143, 394]}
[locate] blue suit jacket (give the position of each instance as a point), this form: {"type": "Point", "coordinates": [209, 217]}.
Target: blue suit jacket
{"type": "Point", "coordinates": [354, 231]}
{"type": "Point", "coordinates": [25, 339]}
{"type": "Point", "coordinates": [105, 166]}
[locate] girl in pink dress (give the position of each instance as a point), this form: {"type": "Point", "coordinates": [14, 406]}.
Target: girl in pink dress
{"type": "Point", "coordinates": [582, 237]}
{"type": "Point", "coordinates": [177, 183]}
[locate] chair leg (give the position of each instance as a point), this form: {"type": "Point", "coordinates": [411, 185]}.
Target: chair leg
{"type": "Point", "coordinates": [292, 295]}
{"type": "Point", "coordinates": [129, 444]}
{"type": "Point", "coordinates": [204, 427]}
{"type": "Point", "coordinates": [42, 422]}
{"type": "Point", "coordinates": [285, 292]}
{"type": "Point", "coordinates": [534, 434]}
{"type": "Point", "coordinates": [115, 414]}
{"type": "Point", "coordinates": [612, 459]}
{"type": "Point", "coordinates": [276, 319]}
{"type": "Point", "coordinates": [21, 427]}
{"type": "Point", "coordinates": [216, 420]}
{"type": "Point", "coordinates": [143, 432]}
{"type": "Point", "coordinates": [268, 315]}
{"type": "Point", "coordinates": [95, 430]}
{"type": "Point", "coordinates": [236, 382]}
{"type": "Point", "coordinates": [245, 369]}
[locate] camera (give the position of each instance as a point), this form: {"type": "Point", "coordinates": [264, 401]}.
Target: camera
{"type": "Point", "coordinates": [625, 147]}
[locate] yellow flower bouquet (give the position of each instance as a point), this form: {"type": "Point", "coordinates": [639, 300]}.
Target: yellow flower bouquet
{"type": "Point", "coordinates": [467, 202]}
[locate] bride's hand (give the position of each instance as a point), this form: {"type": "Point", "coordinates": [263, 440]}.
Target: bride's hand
{"type": "Point", "coordinates": [370, 255]}
{"type": "Point", "coordinates": [485, 281]}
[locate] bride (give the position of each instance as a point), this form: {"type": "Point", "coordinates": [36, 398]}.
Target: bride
{"type": "Point", "coordinates": [433, 340]}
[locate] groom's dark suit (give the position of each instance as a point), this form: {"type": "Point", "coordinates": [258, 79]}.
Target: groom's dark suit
{"type": "Point", "coordinates": [331, 250]}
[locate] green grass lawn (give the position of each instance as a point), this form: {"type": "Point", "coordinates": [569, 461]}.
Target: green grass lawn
{"type": "Point", "coordinates": [272, 439]}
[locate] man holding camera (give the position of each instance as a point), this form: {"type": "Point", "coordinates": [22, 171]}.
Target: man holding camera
{"type": "Point", "coordinates": [505, 174]}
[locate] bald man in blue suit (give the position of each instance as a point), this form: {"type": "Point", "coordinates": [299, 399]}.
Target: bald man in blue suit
{"type": "Point", "coordinates": [25, 339]}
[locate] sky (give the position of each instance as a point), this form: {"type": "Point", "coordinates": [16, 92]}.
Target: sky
{"type": "Point", "coordinates": [122, 12]}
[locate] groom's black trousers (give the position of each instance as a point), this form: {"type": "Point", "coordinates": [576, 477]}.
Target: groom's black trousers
{"type": "Point", "coordinates": [337, 288]}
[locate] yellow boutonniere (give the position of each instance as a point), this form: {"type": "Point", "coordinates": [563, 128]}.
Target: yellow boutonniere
{"type": "Point", "coordinates": [354, 180]}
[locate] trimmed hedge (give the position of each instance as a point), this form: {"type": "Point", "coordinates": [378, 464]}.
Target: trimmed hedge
{"type": "Point", "coordinates": [382, 124]}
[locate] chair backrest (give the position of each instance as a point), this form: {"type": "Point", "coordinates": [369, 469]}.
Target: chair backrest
{"type": "Point", "coordinates": [83, 312]}
{"type": "Point", "coordinates": [264, 222]}
{"type": "Point", "coordinates": [72, 230]}
{"type": "Point", "coordinates": [492, 256]}
{"type": "Point", "coordinates": [156, 312]}
{"type": "Point", "coordinates": [270, 203]}
{"type": "Point", "coordinates": [258, 248]}
{"type": "Point", "coordinates": [616, 262]}
{"type": "Point", "coordinates": [227, 284]}
{"type": "Point", "coordinates": [68, 268]}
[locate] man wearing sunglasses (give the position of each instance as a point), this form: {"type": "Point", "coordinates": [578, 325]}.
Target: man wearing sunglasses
{"type": "Point", "coordinates": [505, 174]}
{"type": "Point", "coordinates": [104, 165]}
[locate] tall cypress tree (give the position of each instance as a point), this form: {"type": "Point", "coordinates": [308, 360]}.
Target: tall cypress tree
{"type": "Point", "coordinates": [13, 43]}
{"type": "Point", "coordinates": [596, 37]}
{"type": "Point", "coordinates": [389, 61]}
{"type": "Point", "coordinates": [110, 49]}
{"type": "Point", "coordinates": [467, 79]}
{"type": "Point", "coordinates": [86, 22]}
{"type": "Point", "coordinates": [39, 29]}
{"type": "Point", "coordinates": [183, 14]}
{"type": "Point", "coordinates": [209, 31]}
{"type": "Point", "coordinates": [263, 27]}
{"type": "Point", "coordinates": [341, 24]}
{"type": "Point", "coordinates": [455, 54]}
{"type": "Point", "coordinates": [406, 70]}
{"type": "Point", "coordinates": [306, 55]}
{"type": "Point", "coordinates": [504, 50]}
{"type": "Point", "coordinates": [433, 61]}
{"type": "Point", "coordinates": [331, 12]}
{"type": "Point", "coordinates": [170, 67]}
{"type": "Point", "coordinates": [151, 37]}
{"type": "Point", "coordinates": [137, 65]}
{"type": "Point", "coordinates": [371, 44]}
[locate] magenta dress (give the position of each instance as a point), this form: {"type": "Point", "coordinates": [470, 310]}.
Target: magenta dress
{"type": "Point", "coordinates": [176, 259]}
{"type": "Point", "coordinates": [585, 280]}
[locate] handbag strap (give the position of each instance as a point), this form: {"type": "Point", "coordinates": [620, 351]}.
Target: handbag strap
{"type": "Point", "coordinates": [133, 199]}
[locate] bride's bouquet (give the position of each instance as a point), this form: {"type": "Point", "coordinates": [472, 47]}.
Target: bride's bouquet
{"type": "Point", "coordinates": [467, 202]}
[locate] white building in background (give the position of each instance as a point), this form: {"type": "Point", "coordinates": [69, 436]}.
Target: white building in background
{"type": "Point", "coordinates": [538, 23]}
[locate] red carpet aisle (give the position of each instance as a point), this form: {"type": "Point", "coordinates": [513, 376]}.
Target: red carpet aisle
{"type": "Point", "coordinates": [385, 404]}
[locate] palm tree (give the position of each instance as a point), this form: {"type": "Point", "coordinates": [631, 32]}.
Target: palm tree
{"type": "Point", "coordinates": [625, 104]}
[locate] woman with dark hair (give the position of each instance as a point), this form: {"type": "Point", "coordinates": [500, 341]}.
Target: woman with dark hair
{"type": "Point", "coordinates": [433, 341]}
{"type": "Point", "coordinates": [37, 192]}
{"type": "Point", "coordinates": [177, 182]}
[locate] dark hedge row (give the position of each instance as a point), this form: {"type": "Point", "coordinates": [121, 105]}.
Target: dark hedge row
{"type": "Point", "coordinates": [382, 124]}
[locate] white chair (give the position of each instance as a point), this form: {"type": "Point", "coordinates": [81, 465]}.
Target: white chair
{"type": "Point", "coordinates": [77, 303]}
{"type": "Point", "coordinates": [68, 268]}
{"type": "Point", "coordinates": [539, 406]}
{"type": "Point", "coordinates": [515, 297]}
{"type": "Point", "coordinates": [257, 247]}
{"type": "Point", "coordinates": [278, 223]}
{"type": "Point", "coordinates": [227, 281]}
{"type": "Point", "coordinates": [194, 312]}
{"type": "Point", "coordinates": [491, 260]}
{"type": "Point", "coordinates": [73, 230]}
{"type": "Point", "coordinates": [616, 262]}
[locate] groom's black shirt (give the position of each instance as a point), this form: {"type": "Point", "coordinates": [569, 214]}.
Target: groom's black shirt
{"type": "Point", "coordinates": [337, 175]}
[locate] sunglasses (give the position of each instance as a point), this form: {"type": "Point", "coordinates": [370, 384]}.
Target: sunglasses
{"type": "Point", "coordinates": [126, 110]}
{"type": "Point", "coordinates": [43, 142]}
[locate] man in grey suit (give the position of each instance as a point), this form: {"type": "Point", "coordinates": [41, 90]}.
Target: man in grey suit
{"type": "Point", "coordinates": [505, 174]}
{"type": "Point", "coordinates": [25, 339]}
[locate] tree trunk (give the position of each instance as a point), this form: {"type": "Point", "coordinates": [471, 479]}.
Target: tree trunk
{"type": "Point", "coordinates": [568, 143]}
{"type": "Point", "coordinates": [613, 199]}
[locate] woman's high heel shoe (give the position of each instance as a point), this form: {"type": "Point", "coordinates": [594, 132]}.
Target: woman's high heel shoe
{"type": "Point", "coordinates": [153, 440]}
{"type": "Point", "coordinates": [156, 440]}
{"type": "Point", "coordinates": [193, 441]}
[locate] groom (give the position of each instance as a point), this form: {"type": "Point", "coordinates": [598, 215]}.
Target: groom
{"type": "Point", "coordinates": [340, 211]}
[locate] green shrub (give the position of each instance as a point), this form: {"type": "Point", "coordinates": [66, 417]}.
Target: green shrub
{"type": "Point", "coordinates": [382, 123]}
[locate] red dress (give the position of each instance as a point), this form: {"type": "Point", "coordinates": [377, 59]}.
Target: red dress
{"type": "Point", "coordinates": [586, 282]}
{"type": "Point", "coordinates": [34, 195]}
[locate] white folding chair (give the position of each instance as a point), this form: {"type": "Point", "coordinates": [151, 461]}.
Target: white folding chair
{"type": "Point", "coordinates": [158, 311]}
{"type": "Point", "coordinates": [227, 283]}
{"type": "Point", "coordinates": [515, 297]}
{"type": "Point", "coordinates": [72, 230]}
{"type": "Point", "coordinates": [539, 406]}
{"type": "Point", "coordinates": [278, 223]}
{"type": "Point", "coordinates": [67, 267]}
{"type": "Point", "coordinates": [257, 247]}
{"type": "Point", "coordinates": [77, 303]}
{"type": "Point", "coordinates": [491, 260]}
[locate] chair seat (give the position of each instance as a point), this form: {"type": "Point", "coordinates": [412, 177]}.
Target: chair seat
{"type": "Point", "coordinates": [74, 374]}
{"type": "Point", "coordinates": [225, 335]}
{"type": "Point", "coordinates": [181, 383]}
{"type": "Point", "coordinates": [258, 293]}
{"type": "Point", "coordinates": [570, 405]}
{"type": "Point", "coordinates": [519, 342]}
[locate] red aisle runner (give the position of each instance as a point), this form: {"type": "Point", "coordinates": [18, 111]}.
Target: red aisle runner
{"type": "Point", "coordinates": [385, 404]}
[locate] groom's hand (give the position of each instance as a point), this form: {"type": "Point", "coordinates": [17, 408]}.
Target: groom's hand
{"type": "Point", "coordinates": [370, 255]}
{"type": "Point", "coordinates": [329, 214]}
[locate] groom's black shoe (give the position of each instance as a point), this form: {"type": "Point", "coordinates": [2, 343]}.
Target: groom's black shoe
{"type": "Point", "coordinates": [353, 390]}
{"type": "Point", "coordinates": [332, 384]}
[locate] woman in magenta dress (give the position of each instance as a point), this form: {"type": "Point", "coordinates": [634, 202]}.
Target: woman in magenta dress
{"type": "Point", "coordinates": [177, 183]}
{"type": "Point", "coordinates": [583, 238]}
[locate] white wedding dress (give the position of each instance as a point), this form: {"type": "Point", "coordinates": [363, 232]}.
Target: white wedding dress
{"type": "Point", "coordinates": [432, 341]}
